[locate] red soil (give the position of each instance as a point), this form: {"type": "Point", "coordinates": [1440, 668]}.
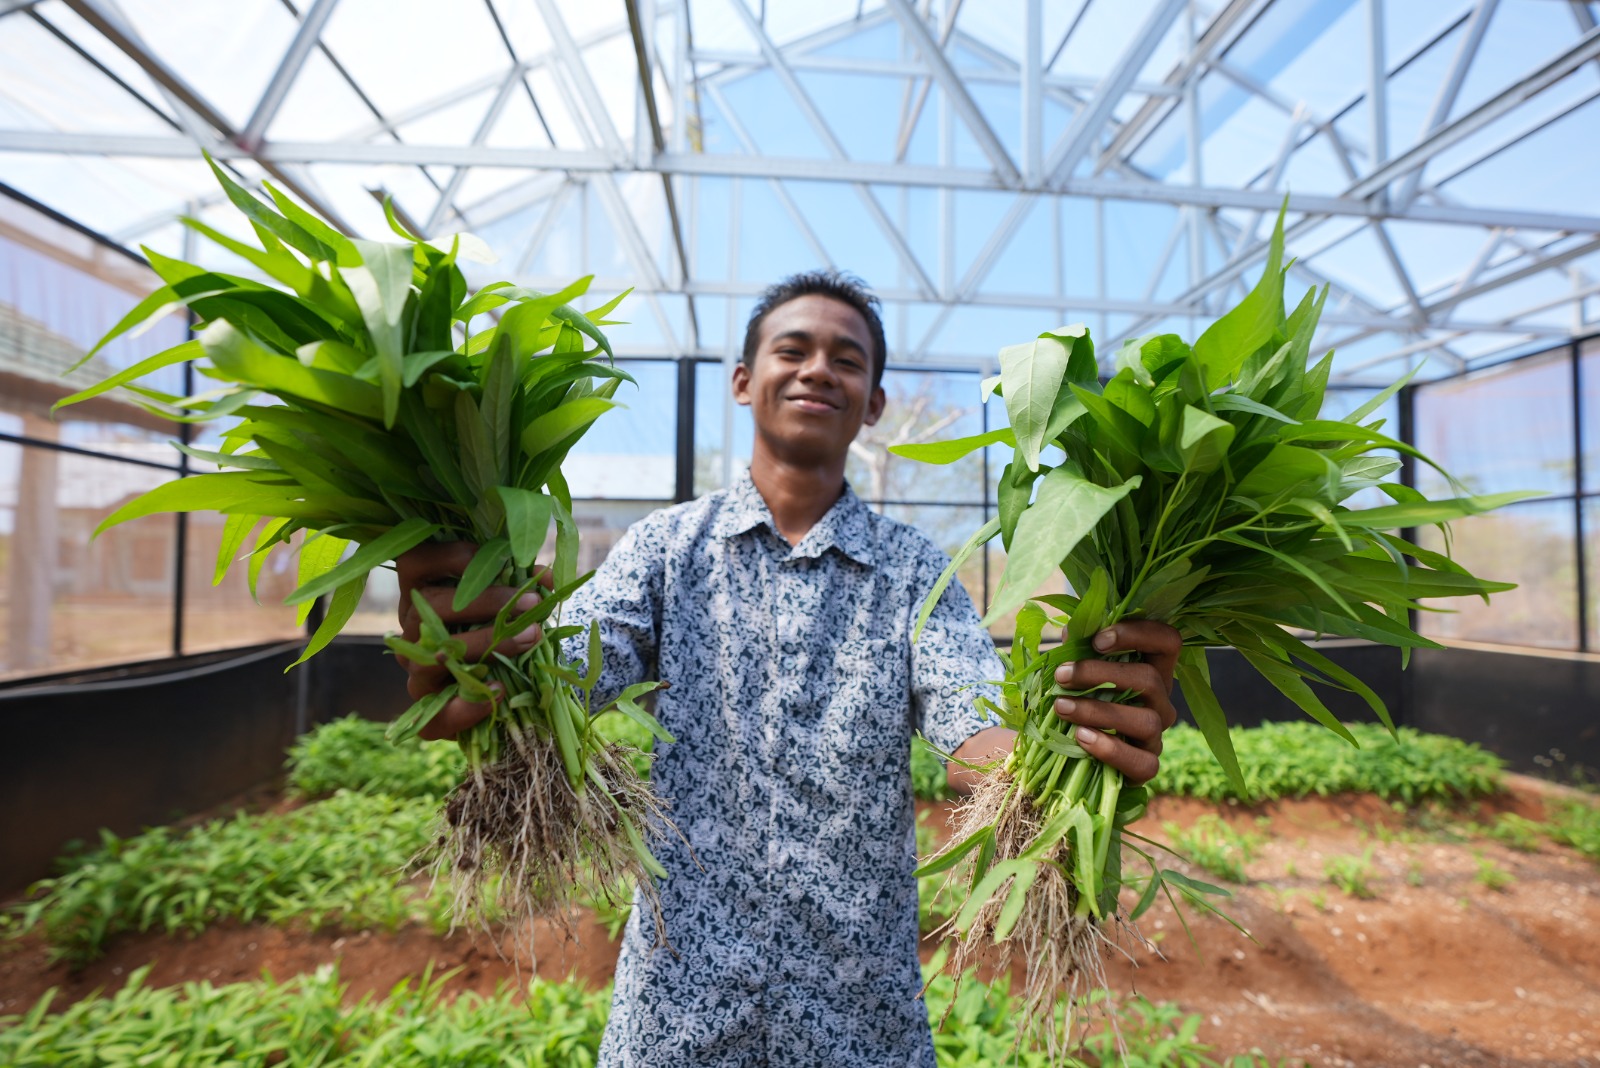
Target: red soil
{"type": "Point", "coordinates": [1437, 969]}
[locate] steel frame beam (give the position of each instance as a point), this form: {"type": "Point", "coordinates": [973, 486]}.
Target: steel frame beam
{"type": "Point", "coordinates": [1384, 188]}
{"type": "Point", "coordinates": [305, 39]}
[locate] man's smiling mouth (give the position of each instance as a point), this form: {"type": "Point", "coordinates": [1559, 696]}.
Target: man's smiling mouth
{"type": "Point", "coordinates": [811, 403]}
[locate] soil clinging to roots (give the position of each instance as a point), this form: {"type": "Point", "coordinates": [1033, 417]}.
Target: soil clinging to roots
{"type": "Point", "coordinates": [1062, 953]}
{"type": "Point", "coordinates": [516, 841]}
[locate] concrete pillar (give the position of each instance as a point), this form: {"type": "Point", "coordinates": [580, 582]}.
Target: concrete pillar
{"type": "Point", "coordinates": [34, 550]}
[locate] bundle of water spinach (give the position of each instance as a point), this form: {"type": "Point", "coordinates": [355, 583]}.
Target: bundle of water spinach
{"type": "Point", "coordinates": [369, 417]}
{"type": "Point", "coordinates": [1196, 487]}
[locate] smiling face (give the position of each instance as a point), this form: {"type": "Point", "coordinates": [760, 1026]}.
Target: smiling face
{"type": "Point", "coordinates": [811, 387]}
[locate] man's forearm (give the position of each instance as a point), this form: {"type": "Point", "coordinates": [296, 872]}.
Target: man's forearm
{"type": "Point", "coordinates": [989, 744]}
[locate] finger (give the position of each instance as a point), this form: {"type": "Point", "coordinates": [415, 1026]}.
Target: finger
{"type": "Point", "coordinates": [1142, 680]}
{"type": "Point", "coordinates": [456, 716]}
{"type": "Point", "coordinates": [433, 562]}
{"type": "Point", "coordinates": [1138, 766]}
{"type": "Point", "coordinates": [1141, 726]}
{"type": "Point", "coordinates": [480, 612]}
{"type": "Point", "coordinates": [1158, 643]}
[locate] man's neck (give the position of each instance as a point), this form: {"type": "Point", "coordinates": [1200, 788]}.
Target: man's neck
{"type": "Point", "coordinates": [796, 495]}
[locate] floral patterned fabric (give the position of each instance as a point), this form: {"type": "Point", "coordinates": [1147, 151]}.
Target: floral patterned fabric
{"type": "Point", "coordinates": [794, 691]}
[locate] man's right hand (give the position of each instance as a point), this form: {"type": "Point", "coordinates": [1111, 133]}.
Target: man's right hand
{"type": "Point", "coordinates": [432, 570]}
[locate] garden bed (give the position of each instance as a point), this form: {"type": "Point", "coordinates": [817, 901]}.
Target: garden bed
{"type": "Point", "coordinates": [1443, 965]}
{"type": "Point", "coordinates": [1415, 927]}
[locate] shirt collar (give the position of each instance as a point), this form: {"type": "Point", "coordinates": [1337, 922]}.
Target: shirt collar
{"type": "Point", "coordinates": [845, 526]}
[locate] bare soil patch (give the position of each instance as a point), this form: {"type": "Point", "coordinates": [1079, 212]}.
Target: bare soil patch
{"type": "Point", "coordinates": [1437, 968]}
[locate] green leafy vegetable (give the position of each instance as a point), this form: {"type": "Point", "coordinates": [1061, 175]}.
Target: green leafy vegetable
{"type": "Point", "coordinates": [389, 430]}
{"type": "Point", "coordinates": [1198, 488]}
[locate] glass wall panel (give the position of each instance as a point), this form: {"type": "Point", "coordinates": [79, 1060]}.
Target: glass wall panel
{"type": "Point", "coordinates": [1591, 567]}
{"type": "Point", "coordinates": [629, 454]}
{"type": "Point", "coordinates": [713, 406]}
{"type": "Point", "coordinates": [1589, 398]}
{"type": "Point", "coordinates": [1532, 544]}
{"type": "Point", "coordinates": [920, 406]}
{"type": "Point", "coordinates": [56, 300]}
{"type": "Point", "coordinates": [225, 616]}
{"type": "Point", "coordinates": [67, 601]}
{"type": "Point", "coordinates": [1508, 428]}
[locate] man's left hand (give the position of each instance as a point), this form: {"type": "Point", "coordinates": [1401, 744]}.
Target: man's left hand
{"type": "Point", "coordinates": [1135, 748]}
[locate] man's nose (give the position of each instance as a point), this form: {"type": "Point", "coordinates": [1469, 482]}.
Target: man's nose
{"type": "Point", "coordinates": [817, 366]}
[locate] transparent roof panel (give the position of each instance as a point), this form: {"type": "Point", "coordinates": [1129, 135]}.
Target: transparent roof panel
{"type": "Point", "coordinates": [982, 205]}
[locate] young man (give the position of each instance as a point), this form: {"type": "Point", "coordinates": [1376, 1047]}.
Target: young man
{"type": "Point", "coordinates": [781, 611]}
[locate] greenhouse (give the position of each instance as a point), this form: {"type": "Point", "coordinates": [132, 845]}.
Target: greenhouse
{"type": "Point", "coordinates": [858, 532]}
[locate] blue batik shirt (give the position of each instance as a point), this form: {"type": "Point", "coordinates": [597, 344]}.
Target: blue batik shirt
{"type": "Point", "coordinates": [795, 688]}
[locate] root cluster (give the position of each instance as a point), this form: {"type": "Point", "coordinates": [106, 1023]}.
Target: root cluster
{"type": "Point", "coordinates": [1062, 952]}
{"type": "Point", "coordinates": [517, 842]}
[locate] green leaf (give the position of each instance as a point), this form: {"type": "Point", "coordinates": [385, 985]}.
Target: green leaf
{"type": "Point", "coordinates": [189, 350]}
{"type": "Point", "coordinates": [979, 537]}
{"type": "Point", "coordinates": [1377, 400]}
{"type": "Point", "coordinates": [1290, 471]}
{"type": "Point", "coordinates": [418, 716]}
{"type": "Point", "coordinates": [1032, 374]}
{"type": "Point", "coordinates": [275, 262]}
{"type": "Point", "coordinates": [591, 674]}
{"type": "Point", "coordinates": [944, 452]}
{"type": "Point", "coordinates": [197, 493]}
{"type": "Point", "coordinates": [987, 887]}
{"type": "Point", "coordinates": [248, 363]}
{"type": "Point", "coordinates": [1203, 440]}
{"type": "Point", "coordinates": [293, 234]}
{"type": "Point", "coordinates": [1252, 323]}
{"type": "Point", "coordinates": [1066, 510]}
{"type": "Point", "coordinates": [527, 521]}
{"type": "Point", "coordinates": [407, 535]}
{"type": "Point", "coordinates": [319, 555]}
{"type": "Point", "coordinates": [954, 854]}
{"type": "Point", "coordinates": [1126, 393]}
{"type": "Point", "coordinates": [1238, 402]}
{"type": "Point", "coordinates": [1014, 492]}
{"type": "Point", "coordinates": [235, 529]}
{"type": "Point", "coordinates": [570, 419]}
{"type": "Point", "coordinates": [341, 607]}
{"type": "Point", "coordinates": [566, 563]}
{"type": "Point", "coordinates": [1011, 911]}
{"type": "Point", "coordinates": [1287, 681]}
{"type": "Point", "coordinates": [481, 573]}
{"type": "Point", "coordinates": [381, 284]}
{"type": "Point", "coordinates": [1422, 513]}
{"type": "Point", "coordinates": [1194, 675]}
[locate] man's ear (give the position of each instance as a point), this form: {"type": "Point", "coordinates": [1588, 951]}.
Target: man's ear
{"type": "Point", "coordinates": [741, 384]}
{"type": "Point", "coordinates": [874, 407]}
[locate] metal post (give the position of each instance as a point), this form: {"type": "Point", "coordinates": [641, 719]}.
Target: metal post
{"type": "Point", "coordinates": [1577, 498]}
{"type": "Point", "coordinates": [1032, 94]}
{"type": "Point", "coordinates": [983, 410]}
{"type": "Point", "coordinates": [1191, 102]}
{"type": "Point", "coordinates": [180, 549]}
{"type": "Point", "coordinates": [1377, 89]}
{"type": "Point", "coordinates": [1406, 401]}
{"type": "Point", "coordinates": [731, 351]}
{"type": "Point", "coordinates": [684, 438]}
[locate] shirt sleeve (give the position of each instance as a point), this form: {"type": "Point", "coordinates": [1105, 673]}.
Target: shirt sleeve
{"type": "Point", "coordinates": [953, 663]}
{"type": "Point", "coordinates": [624, 599]}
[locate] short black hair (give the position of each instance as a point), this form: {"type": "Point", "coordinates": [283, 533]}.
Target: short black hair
{"type": "Point", "coordinates": [839, 285]}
